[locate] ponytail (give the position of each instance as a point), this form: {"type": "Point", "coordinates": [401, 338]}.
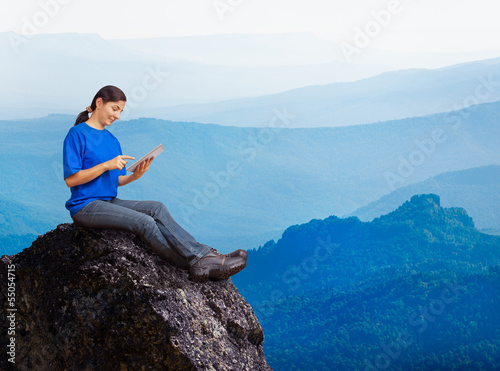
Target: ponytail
{"type": "Point", "coordinates": [109, 93]}
{"type": "Point", "coordinates": [83, 116]}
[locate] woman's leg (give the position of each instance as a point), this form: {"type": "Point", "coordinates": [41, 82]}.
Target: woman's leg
{"type": "Point", "coordinates": [105, 214]}
{"type": "Point", "coordinates": [175, 235]}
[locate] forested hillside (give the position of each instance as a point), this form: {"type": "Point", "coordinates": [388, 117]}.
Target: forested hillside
{"type": "Point", "coordinates": [416, 289]}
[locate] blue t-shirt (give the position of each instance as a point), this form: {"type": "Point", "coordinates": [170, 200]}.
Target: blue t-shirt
{"type": "Point", "coordinates": [84, 148]}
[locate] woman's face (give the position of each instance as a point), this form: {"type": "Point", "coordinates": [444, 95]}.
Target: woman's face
{"type": "Point", "coordinates": [108, 112]}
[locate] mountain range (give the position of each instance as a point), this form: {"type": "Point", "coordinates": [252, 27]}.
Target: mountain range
{"type": "Point", "coordinates": [416, 289]}
{"type": "Point", "coordinates": [476, 190]}
{"type": "Point", "coordinates": [387, 96]}
{"type": "Point", "coordinates": [236, 187]}
{"type": "Point", "coordinates": [276, 135]}
{"type": "Point", "coordinates": [162, 72]}
{"type": "Point", "coordinates": [162, 75]}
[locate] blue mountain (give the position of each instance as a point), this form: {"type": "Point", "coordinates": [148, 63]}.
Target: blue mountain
{"type": "Point", "coordinates": [155, 73]}
{"type": "Point", "coordinates": [477, 190]}
{"type": "Point", "coordinates": [388, 96]}
{"type": "Point", "coordinates": [236, 187]}
{"type": "Point", "coordinates": [416, 288]}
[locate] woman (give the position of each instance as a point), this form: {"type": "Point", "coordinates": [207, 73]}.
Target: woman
{"type": "Point", "coordinates": [94, 168]}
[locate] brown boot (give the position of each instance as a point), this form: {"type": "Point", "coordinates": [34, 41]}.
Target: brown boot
{"type": "Point", "coordinates": [216, 266]}
{"type": "Point", "coordinates": [240, 252]}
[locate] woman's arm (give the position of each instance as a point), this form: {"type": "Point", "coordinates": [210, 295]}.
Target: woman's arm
{"type": "Point", "coordinates": [139, 171]}
{"type": "Point", "coordinates": [125, 179]}
{"type": "Point", "coordinates": [85, 176]}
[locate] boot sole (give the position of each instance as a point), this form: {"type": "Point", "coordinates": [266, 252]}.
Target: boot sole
{"type": "Point", "coordinates": [220, 275]}
{"type": "Point", "coordinates": [217, 274]}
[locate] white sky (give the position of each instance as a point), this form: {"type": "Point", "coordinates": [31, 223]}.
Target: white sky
{"type": "Point", "coordinates": [419, 25]}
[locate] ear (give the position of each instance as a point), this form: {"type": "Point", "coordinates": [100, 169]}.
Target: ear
{"type": "Point", "coordinates": [98, 102]}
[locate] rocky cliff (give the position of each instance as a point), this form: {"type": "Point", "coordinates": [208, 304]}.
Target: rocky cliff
{"type": "Point", "coordinates": [88, 299]}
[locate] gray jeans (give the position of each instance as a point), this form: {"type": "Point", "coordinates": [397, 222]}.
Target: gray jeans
{"type": "Point", "coordinates": [151, 221]}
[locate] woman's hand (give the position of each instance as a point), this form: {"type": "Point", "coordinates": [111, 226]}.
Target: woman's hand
{"type": "Point", "coordinates": [142, 168]}
{"type": "Point", "coordinates": [118, 162]}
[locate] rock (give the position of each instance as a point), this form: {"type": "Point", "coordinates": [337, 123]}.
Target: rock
{"type": "Point", "coordinates": [90, 299]}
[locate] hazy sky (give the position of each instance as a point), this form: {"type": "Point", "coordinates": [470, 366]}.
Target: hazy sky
{"type": "Point", "coordinates": [406, 25]}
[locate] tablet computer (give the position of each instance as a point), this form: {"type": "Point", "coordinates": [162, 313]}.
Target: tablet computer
{"type": "Point", "coordinates": [153, 153]}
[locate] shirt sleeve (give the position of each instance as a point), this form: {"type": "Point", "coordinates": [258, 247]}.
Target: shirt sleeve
{"type": "Point", "coordinates": [72, 154]}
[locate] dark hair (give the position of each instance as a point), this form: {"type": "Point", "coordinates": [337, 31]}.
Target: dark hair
{"type": "Point", "coordinates": [109, 93]}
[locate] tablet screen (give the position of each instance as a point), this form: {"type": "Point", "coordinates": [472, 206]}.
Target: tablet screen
{"type": "Point", "coordinates": [153, 153]}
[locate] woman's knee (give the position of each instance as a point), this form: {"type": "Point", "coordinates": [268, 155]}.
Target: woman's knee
{"type": "Point", "coordinates": [159, 208]}
{"type": "Point", "coordinates": [144, 224]}
{"type": "Point", "coordinates": [149, 231]}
